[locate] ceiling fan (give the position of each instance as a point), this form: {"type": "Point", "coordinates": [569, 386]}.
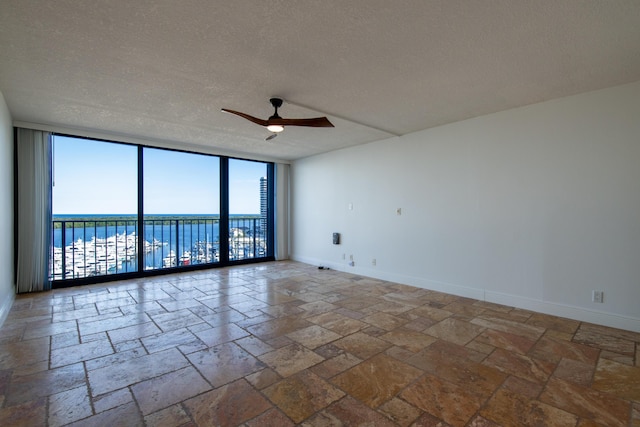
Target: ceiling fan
{"type": "Point", "coordinates": [276, 124]}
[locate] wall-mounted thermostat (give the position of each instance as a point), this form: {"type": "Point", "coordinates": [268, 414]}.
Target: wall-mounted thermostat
{"type": "Point", "coordinates": [336, 238]}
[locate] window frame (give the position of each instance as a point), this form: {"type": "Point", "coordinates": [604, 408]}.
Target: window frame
{"type": "Point", "coordinates": [224, 260]}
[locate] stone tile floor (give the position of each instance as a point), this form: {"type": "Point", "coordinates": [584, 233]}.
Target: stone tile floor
{"type": "Point", "coordinates": [284, 343]}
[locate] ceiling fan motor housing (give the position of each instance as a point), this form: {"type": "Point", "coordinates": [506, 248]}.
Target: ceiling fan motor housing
{"type": "Point", "coordinates": [276, 102]}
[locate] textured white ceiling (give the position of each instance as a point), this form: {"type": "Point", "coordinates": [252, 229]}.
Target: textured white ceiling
{"type": "Point", "coordinates": [160, 70]}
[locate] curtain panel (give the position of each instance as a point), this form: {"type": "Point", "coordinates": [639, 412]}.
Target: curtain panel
{"type": "Point", "coordinates": [282, 211]}
{"type": "Point", "coordinates": [33, 175]}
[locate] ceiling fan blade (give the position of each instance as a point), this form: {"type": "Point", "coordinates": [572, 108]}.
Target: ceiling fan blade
{"type": "Point", "coordinates": [248, 117]}
{"type": "Point", "coordinates": [317, 122]}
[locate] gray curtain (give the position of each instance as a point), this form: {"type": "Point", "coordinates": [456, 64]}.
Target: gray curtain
{"type": "Point", "coordinates": [33, 151]}
{"type": "Point", "coordinates": [282, 211]}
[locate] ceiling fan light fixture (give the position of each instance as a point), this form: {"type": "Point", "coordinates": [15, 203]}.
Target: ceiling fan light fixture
{"type": "Point", "coordinates": [275, 128]}
{"type": "Point", "coordinates": [276, 124]}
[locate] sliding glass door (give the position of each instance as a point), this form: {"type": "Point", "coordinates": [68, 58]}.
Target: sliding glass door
{"type": "Point", "coordinates": [249, 223]}
{"type": "Point", "coordinates": [181, 206]}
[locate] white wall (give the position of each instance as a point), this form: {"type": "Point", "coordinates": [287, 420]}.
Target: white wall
{"type": "Point", "coordinates": [7, 287]}
{"type": "Point", "coordinates": [533, 207]}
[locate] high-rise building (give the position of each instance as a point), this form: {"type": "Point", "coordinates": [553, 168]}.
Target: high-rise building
{"type": "Point", "coordinates": [264, 206]}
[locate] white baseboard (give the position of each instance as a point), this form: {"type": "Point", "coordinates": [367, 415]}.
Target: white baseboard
{"type": "Point", "coordinates": [547, 307]}
{"type": "Point", "coordinates": [563, 310]}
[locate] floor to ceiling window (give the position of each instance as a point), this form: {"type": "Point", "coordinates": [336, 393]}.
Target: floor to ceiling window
{"type": "Point", "coordinates": [190, 210]}
{"type": "Point", "coordinates": [181, 208]}
{"type": "Point", "coordinates": [94, 206]}
{"type": "Point", "coordinates": [248, 209]}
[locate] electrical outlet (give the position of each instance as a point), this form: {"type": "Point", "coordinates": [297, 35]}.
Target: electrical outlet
{"type": "Point", "coordinates": [373, 262]}
{"type": "Point", "coordinates": [597, 296]}
{"type": "Point", "coordinates": [344, 256]}
{"type": "Point", "coordinates": [350, 257]}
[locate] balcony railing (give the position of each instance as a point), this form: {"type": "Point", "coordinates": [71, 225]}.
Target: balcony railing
{"type": "Point", "coordinates": [87, 248]}
{"type": "Point", "coordinates": [247, 238]}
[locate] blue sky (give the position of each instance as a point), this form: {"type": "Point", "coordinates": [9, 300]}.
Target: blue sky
{"type": "Point", "coordinates": [94, 177]}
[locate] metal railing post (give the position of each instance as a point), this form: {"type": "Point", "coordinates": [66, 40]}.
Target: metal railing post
{"type": "Point", "coordinates": [64, 249]}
